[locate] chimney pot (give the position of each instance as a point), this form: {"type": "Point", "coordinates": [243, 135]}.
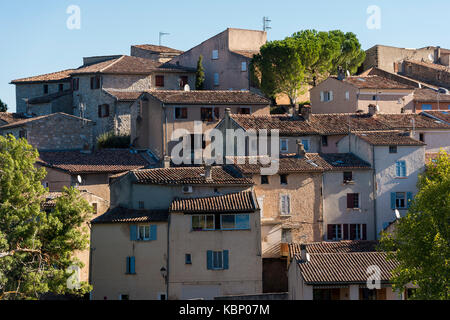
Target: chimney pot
{"type": "Point", "coordinates": [166, 162]}
{"type": "Point", "coordinates": [306, 112]}
{"type": "Point", "coordinates": [300, 149]}
{"type": "Point", "coordinates": [208, 175]}
{"type": "Point", "coordinates": [373, 109]}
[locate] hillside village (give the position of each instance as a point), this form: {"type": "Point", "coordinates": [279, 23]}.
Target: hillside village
{"type": "Point", "coordinates": [349, 160]}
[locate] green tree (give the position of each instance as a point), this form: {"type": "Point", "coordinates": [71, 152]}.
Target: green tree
{"type": "Point", "coordinates": [350, 55]}
{"type": "Point", "coordinates": [36, 247]}
{"type": "Point", "coordinates": [199, 74]}
{"type": "Point", "coordinates": [421, 240]}
{"type": "Point", "coordinates": [3, 106]}
{"type": "Point", "coordinates": [280, 70]}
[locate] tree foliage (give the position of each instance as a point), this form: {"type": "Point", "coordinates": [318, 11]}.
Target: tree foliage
{"type": "Point", "coordinates": [199, 74]}
{"type": "Point", "coordinates": [307, 57]}
{"type": "Point", "coordinates": [3, 106]}
{"type": "Point", "coordinates": [36, 247]}
{"type": "Point", "coordinates": [112, 140]}
{"type": "Point", "coordinates": [421, 240]}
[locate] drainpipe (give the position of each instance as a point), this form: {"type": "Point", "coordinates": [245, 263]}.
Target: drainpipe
{"type": "Point", "coordinates": [168, 257]}
{"type": "Point", "coordinates": [165, 132]}
{"type": "Point", "coordinates": [375, 187]}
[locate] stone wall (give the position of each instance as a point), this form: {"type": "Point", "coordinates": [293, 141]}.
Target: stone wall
{"type": "Point", "coordinates": [427, 74]}
{"type": "Point", "coordinates": [28, 91]}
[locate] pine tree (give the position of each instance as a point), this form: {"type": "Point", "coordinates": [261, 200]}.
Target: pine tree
{"type": "Point", "coordinates": [3, 106]}
{"type": "Point", "coordinates": [199, 75]}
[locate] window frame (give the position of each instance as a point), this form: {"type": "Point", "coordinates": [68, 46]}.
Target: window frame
{"type": "Point", "coordinates": [345, 179]}
{"type": "Point", "coordinates": [159, 79]}
{"type": "Point", "coordinates": [393, 149]}
{"type": "Point", "coordinates": [235, 222]}
{"type": "Point", "coordinates": [204, 222]}
{"type": "Point", "coordinates": [188, 259]}
{"type": "Point", "coordinates": [397, 199]}
{"type": "Point", "coordinates": [401, 169]}
{"type": "Point", "coordinates": [355, 199]}
{"type": "Point", "coordinates": [243, 66]}
{"type": "Point", "coordinates": [183, 111]}
{"type": "Point", "coordinates": [285, 178]}
{"type": "Point", "coordinates": [204, 119]}
{"type": "Point", "coordinates": [144, 238]}
{"type": "Point", "coordinates": [217, 256]}
{"type": "Point", "coordinates": [306, 145]}
{"type": "Point", "coordinates": [216, 79]}
{"type": "Point", "coordinates": [284, 140]}
{"type": "Point", "coordinates": [264, 179]}
{"type": "Point", "coordinates": [288, 197]}
{"type": "Point", "coordinates": [215, 54]}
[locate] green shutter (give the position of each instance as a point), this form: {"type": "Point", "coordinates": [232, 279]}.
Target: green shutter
{"type": "Point", "coordinates": [132, 265]}
{"type": "Point", "coordinates": [225, 260]}
{"type": "Point", "coordinates": [392, 200]}
{"type": "Point", "coordinates": [153, 232]}
{"type": "Point", "coordinates": [133, 232]}
{"type": "Point", "coordinates": [128, 265]}
{"type": "Point", "coordinates": [209, 260]}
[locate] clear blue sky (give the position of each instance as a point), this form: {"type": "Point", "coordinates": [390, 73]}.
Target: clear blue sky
{"type": "Point", "coordinates": [35, 39]}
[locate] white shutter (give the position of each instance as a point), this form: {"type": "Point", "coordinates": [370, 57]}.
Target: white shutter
{"type": "Point", "coordinates": [321, 96]}
{"type": "Point", "coordinates": [285, 204]}
{"type": "Point", "coordinates": [261, 205]}
{"type": "Point", "coordinates": [331, 95]}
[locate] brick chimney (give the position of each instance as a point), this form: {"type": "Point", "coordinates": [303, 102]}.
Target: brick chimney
{"type": "Point", "coordinates": [208, 175]}
{"type": "Point", "coordinates": [373, 109]}
{"type": "Point", "coordinates": [166, 162]}
{"type": "Point", "coordinates": [300, 149]}
{"type": "Point", "coordinates": [306, 112]}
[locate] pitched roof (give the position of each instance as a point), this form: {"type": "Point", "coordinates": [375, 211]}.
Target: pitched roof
{"type": "Point", "coordinates": [129, 65]}
{"type": "Point", "coordinates": [48, 77]}
{"type": "Point", "coordinates": [376, 82]}
{"type": "Point", "coordinates": [332, 268]}
{"type": "Point", "coordinates": [428, 95]}
{"type": "Point", "coordinates": [102, 161]}
{"type": "Point", "coordinates": [339, 161]}
{"type": "Point", "coordinates": [434, 66]}
{"type": "Point", "coordinates": [24, 121]}
{"type": "Point", "coordinates": [122, 95]}
{"type": "Point", "coordinates": [411, 120]}
{"type": "Point", "coordinates": [229, 203]}
{"type": "Point", "coordinates": [49, 97]}
{"type": "Point", "coordinates": [389, 138]}
{"type": "Point", "coordinates": [157, 49]}
{"type": "Point", "coordinates": [341, 123]}
{"type": "Point", "coordinates": [246, 53]}
{"type": "Point", "coordinates": [346, 246]}
{"type": "Point", "coordinates": [190, 176]}
{"type": "Point", "coordinates": [208, 97]}
{"type": "Point", "coordinates": [287, 125]}
{"type": "Point", "coordinates": [438, 115]}
{"type": "Point", "coordinates": [10, 117]}
{"type": "Point", "coordinates": [125, 215]}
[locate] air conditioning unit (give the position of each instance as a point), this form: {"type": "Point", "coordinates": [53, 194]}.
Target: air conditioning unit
{"type": "Point", "coordinates": [187, 189]}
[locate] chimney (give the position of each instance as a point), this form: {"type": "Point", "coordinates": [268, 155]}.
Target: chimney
{"type": "Point", "coordinates": [303, 254]}
{"type": "Point", "coordinates": [208, 175]}
{"type": "Point", "coordinates": [295, 111]}
{"type": "Point", "coordinates": [373, 109]}
{"type": "Point", "coordinates": [166, 163]}
{"type": "Point", "coordinates": [306, 112]}
{"type": "Point", "coordinates": [300, 149]}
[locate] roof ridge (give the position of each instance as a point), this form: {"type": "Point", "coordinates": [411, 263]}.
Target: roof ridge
{"type": "Point", "coordinates": [113, 62]}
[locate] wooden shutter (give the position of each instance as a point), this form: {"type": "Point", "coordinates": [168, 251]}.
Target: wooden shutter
{"type": "Point", "coordinates": [393, 200]}
{"type": "Point", "coordinates": [133, 232]}
{"type": "Point", "coordinates": [330, 234]}
{"type": "Point", "coordinates": [349, 200]}
{"type": "Point", "coordinates": [225, 260]}
{"type": "Point", "coordinates": [409, 198]}
{"type": "Point", "coordinates": [364, 232]}
{"type": "Point", "coordinates": [153, 232]}
{"type": "Point", "coordinates": [209, 260]}
{"type": "Point", "coordinates": [346, 231]}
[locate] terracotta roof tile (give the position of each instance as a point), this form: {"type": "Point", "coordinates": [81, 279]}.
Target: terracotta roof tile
{"type": "Point", "coordinates": [102, 161]}
{"type": "Point", "coordinates": [229, 203]}
{"type": "Point", "coordinates": [429, 65]}
{"type": "Point", "coordinates": [10, 117]}
{"type": "Point", "coordinates": [125, 215]}
{"type": "Point", "coordinates": [63, 75]}
{"type": "Point", "coordinates": [428, 95]}
{"type": "Point", "coordinates": [389, 138]}
{"type": "Point", "coordinates": [208, 97]}
{"type": "Point", "coordinates": [24, 121]}
{"type": "Point", "coordinates": [405, 121]}
{"type": "Point", "coordinates": [346, 246]}
{"type": "Point", "coordinates": [122, 95]}
{"type": "Point", "coordinates": [439, 115]}
{"type": "Point", "coordinates": [190, 176]}
{"type": "Point", "coordinates": [376, 82]}
{"type": "Point", "coordinates": [157, 49]}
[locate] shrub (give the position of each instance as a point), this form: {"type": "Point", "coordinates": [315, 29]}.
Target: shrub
{"type": "Point", "coordinates": [112, 140]}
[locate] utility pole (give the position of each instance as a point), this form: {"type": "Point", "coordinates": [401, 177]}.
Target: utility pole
{"type": "Point", "coordinates": [266, 23]}
{"type": "Point", "coordinates": [161, 34]}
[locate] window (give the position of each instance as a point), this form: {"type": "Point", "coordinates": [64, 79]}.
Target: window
{"type": "Point", "coordinates": [285, 204]}
{"type": "Point", "coordinates": [400, 169]}
{"type": "Point", "coordinates": [392, 149]}
{"type": "Point", "coordinates": [181, 113]}
{"type": "Point", "coordinates": [347, 95]}
{"type": "Point", "coordinates": [103, 111]}
{"type": "Point", "coordinates": [141, 205]}
{"type": "Point", "coordinates": [215, 54]}
{"type": "Point", "coordinates": [283, 179]}
{"type": "Point", "coordinates": [95, 82]}
{"type": "Point", "coordinates": [426, 107]}
{"type": "Point", "coordinates": [188, 258]}
{"type": "Point", "coordinates": [305, 144]}
{"type": "Point", "coordinates": [244, 66]}
{"type": "Point", "coordinates": [348, 176]}
{"type": "Point", "coordinates": [162, 296]}
{"type": "Point", "coordinates": [326, 96]}
{"type": "Point", "coordinates": [144, 233]}
{"type": "Point", "coordinates": [159, 81]}
{"type": "Point", "coordinates": [334, 232]}
{"type": "Point", "coordinates": [352, 200]}
{"type": "Point", "coordinates": [235, 222]}
{"type": "Point", "coordinates": [324, 141]}
{"type": "Point", "coordinates": [207, 114]}
{"type": "Point", "coordinates": [45, 88]}
{"type": "Point", "coordinates": [264, 179]}
{"type": "Point", "coordinates": [244, 111]}
{"type": "Point", "coordinates": [356, 232]}
{"type": "Point", "coordinates": [23, 134]}
{"type": "Point", "coordinates": [61, 87]}
{"type": "Point", "coordinates": [76, 84]}
{"type": "Point", "coordinates": [374, 98]}
{"type": "Point", "coordinates": [203, 222]}
{"type": "Point", "coordinates": [422, 137]}
{"type": "Point", "coordinates": [183, 81]}
{"type": "Point", "coordinates": [124, 297]}
{"type": "Point", "coordinates": [286, 236]}
{"type": "Point", "coordinates": [400, 200]}
{"type": "Point", "coordinates": [284, 145]}
{"type": "Point", "coordinates": [130, 267]}
{"type": "Point", "coordinates": [216, 79]}
{"type": "Point", "coordinates": [45, 184]}
{"type": "Point", "coordinates": [217, 260]}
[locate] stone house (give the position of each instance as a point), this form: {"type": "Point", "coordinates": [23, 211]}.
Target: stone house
{"type": "Point", "coordinates": [435, 74]}
{"type": "Point", "coordinates": [154, 52]}
{"type": "Point", "coordinates": [157, 114]}
{"type": "Point", "coordinates": [338, 271]}
{"type": "Point", "coordinates": [55, 131]}
{"type": "Point", "coordinates": [178, 233]}
{"type": "Point", "coordinates": [428, 100]}
{"type": "Point", "coordinates": [397, 160]}
{"type": "Point", "coordinates": [226, 58]}
{"type": "Point", "coordinates": [351, 94]}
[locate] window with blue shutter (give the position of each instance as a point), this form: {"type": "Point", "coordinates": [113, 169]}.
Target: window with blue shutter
{"type": "Point", "coordinates": [130, 265]}
{"type": "Point", "coordinates": [225, 259]}
{"type": "Point", "coordinates": [393, 197]}
{"type": "Point", "coordinates": [209, 260]}
{"type": "Point", "coordinates": [153, 232]}
{"type": "Point", "coordinates": [400, 168]}
{"type": "Point", "coordinates": [306, 144]}
{"type": "Point", "coordinates": [133, 232]}
{"type": "Point", "coordinates": [409, 197]}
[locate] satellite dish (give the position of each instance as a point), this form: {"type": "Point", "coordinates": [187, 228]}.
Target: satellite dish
{"type": "Point", "coordinates": [397, 214]}
{"type": "Point", "coordinates": [187, 88]}
{"type": "Point", "coordinates": [79, 179]}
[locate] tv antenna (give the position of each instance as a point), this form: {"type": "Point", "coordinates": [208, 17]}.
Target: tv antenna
{"type": "Point", "coordinates": [161, 34]}
{"type": "Point", "coordinates": [266, 23]}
